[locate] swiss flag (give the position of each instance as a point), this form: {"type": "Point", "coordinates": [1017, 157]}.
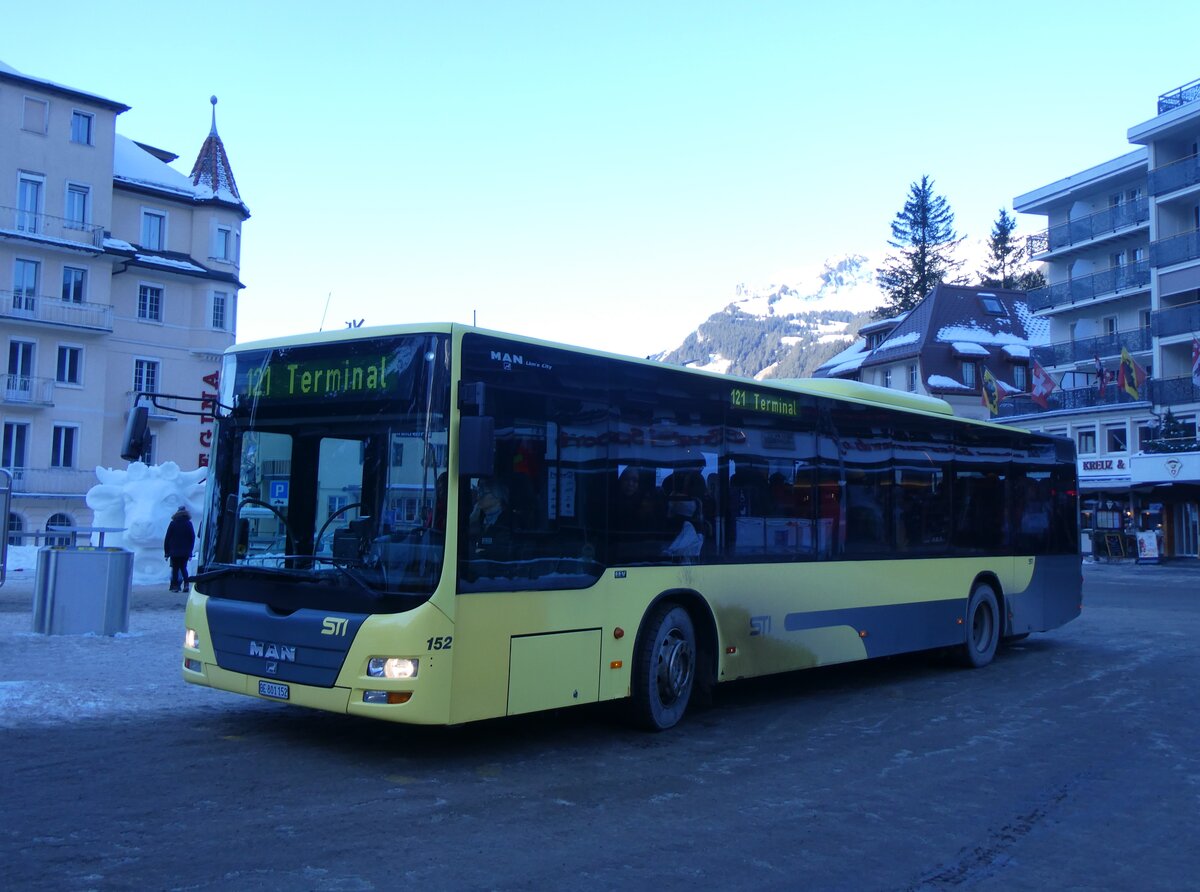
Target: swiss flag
{"type": "Point", "coordinates": [1042, 385]}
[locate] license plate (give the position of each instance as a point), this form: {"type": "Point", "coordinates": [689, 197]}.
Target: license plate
{"type": "Point", "coordinates": [273, 689]}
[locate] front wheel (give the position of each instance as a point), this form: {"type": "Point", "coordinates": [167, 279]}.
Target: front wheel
{"type": "Point", "coordinates": [983, 627]}
{"type": "Point", "coordinates": [664, 668]}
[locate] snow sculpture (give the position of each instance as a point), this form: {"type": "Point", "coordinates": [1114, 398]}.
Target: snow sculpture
{"type": "Point", "coordinates": [141, 499]}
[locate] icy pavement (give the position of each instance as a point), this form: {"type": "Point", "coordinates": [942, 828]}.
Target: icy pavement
{"type": "Point", "coordinates": [50, 679]}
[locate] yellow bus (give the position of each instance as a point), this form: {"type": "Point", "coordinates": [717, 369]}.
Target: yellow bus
{"type": "Point", "coordinates": [440, 524]}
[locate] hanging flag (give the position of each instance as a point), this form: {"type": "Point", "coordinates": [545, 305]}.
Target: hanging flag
{"type": "Point", "coordinates": [1130, 375]}
{"type": "Point", "coordinates": [1196, 362]}
{"type": "Point", "coordinates": [1042, 385]}
{"type": "Point", "coordinates": [990, 392]}
{"type": "Point", "coordinates": [1101, 375]}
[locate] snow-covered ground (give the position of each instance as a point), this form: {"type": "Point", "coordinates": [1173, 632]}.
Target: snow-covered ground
{"type": "Point", "coordinates": [51, 679]}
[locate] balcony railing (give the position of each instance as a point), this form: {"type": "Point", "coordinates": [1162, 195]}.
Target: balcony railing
{"type": "Point", "coordinates": [26, 390]}
{"type": "Point", "coordinates": [44, 227]}
{"type": "Point", "coordinates": [55, 311]}
{"type": "Point", "coordinates": [1175, 249]}
{"type": "Point", "coordinates": [1132, 277]}
{"type": "Point", "coordinates": [1087, 349]}
{"type": "Point", "coordinates": [1175, 321]}
{"type": "Point", "coordinates": [54, 481]}
{"type": "Point", "coordinates": [1176, 175]}
{"type": "Point", "coordinates": [1082, 229]}
{"type": "Point", "coordinates": [1159, 391]}
{"type": "Point", "coordinates": [1181, 96]}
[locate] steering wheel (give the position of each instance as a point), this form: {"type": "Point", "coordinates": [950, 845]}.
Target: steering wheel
{"type": "Point", "coordinates": [329, 520]}
{"type": "Point", "coordinates": [287, 530]}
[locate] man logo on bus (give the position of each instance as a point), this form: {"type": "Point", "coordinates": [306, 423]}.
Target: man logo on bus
{"type": "Point", "coordinates": [508, 359]}
{"type": "Point", "coordinates": [268, 650]}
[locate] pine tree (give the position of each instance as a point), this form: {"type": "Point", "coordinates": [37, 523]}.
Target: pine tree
{"type": "Point", "coordinates": [1173, 435]}
{"type": "Point", "coordinates": [1003, 254]}
{"type": "Point", "coordinates": [923, 231]}
{"type": "Point", "coordinates": [1006, 265]}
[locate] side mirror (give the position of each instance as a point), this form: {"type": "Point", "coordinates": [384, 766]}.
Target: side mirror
{"type": "Point", "coordinates": [476, 446]}
{"type": "Point", "coordinates": [137, 429]}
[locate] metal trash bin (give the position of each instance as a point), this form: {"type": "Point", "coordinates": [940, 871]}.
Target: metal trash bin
{"type": "Point", "coordinates": [80, 591]}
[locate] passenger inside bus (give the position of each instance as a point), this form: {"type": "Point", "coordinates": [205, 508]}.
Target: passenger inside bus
{"type": "Point", "coordinates": [491, 521]}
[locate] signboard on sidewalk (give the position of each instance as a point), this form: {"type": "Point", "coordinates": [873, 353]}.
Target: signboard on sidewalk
{"type": "Point", "coordinates": [1147, 544]}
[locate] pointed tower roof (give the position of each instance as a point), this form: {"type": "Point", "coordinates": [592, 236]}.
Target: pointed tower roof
{"type": "Point", "coordinates": [211, 174]}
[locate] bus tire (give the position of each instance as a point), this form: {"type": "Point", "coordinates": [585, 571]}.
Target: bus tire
{"type": "Point", "coordinates": [982, 626]}
{"type": "Point", "coordinates": [664, 670]}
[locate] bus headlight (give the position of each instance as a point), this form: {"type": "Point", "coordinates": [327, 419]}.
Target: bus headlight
{"type": "Point", "coordinates": [191, 638]}
{"type": "Point", "coordinates": [392, 667]}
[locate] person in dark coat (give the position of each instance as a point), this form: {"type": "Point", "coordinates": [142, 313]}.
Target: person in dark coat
{"type": "Point", "coordinates": [177, 547]}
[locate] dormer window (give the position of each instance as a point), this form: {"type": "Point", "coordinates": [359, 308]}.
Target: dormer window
{"type": "Point", "coordinates": [991, 305]}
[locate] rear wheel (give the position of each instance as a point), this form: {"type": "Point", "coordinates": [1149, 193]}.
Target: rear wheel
{"type": "Point", "coordinates": [664, 670]}
{"type": "Point", "coordinates": [983, 626]}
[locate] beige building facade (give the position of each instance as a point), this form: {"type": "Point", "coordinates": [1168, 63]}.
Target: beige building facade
{"type": "Point", "coordinates": [118, 275]}
{"type": "Point", "coordinates": [1122, 262]}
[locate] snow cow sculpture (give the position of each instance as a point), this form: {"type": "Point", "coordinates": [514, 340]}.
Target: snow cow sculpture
{"type": "Point", "coordinates": [141, 500]}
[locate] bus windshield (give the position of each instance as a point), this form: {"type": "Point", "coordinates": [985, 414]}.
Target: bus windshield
{"type": "Point", "coordinates": [329, 475]}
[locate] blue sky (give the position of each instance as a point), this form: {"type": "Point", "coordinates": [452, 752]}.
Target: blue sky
{"type": "Point", "coordinates": [602, 173]}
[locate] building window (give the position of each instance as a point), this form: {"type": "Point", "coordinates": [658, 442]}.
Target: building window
{"type": "Point", "coordinates": [1145, 433]}
{"type": "Point", "coordinates": [25, 285]}
{"type": "Point", "coordinates": [145, 375]}
{"type": "Point", "coordinates": [912, 377]}
{"type": "Point", "coordinates": [58, 521]}
{"type": "Point", "coordinates": [150, 299]}
{"type": "Point", "coordinates": [1109, 326]}
{"type": "Point", "coordinates": [16, 526]}
{"type": "Point", "coordinates": [29, 202]}
{"type": "Point", "coordinates": [1020, 376]}
{"type": "Point", "coordinates": [1086, 439]}
{"type": "Point", "coordinates": [62, 447]}
{"type": "Point", "coordinates": [887, 377]}
{"type": "Point", "coordinates": [1116, 438]}
{"type": "Point", "coordinates": [14, 446]}
{"type": "Point", "coordinates": [968, 375]}
{"type": "Point", "coordinates": [154, 230]}
{"type": "Point", "coordinates": [70, 365]}
{"type": "Point", "coordinates": [36, 115]}
{"type": "Point", "coordinates": [18, 386]}
{"type": "Point", "coordinates": [81, 128]}
{"type": "Point", "coordinates": [222, 243]}
{"type": "Point", "coordinates": [74, 284]}
{"type": "Point", "coordinates": [992, 306]}
{"type": "Point", "coordinates": [220, 310]}
{"type": "Point", "coordinates": [78, 211]}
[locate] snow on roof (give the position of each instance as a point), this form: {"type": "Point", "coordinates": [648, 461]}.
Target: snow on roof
{"type": "Point", "coordinates": [118, 107]}
{"type": "Point", "coordinates": [969, 348]}
{"type": "Point", "coordinates": [170, 262]}
{"type": "Point", "coordinates": [133, 164]}
{"type": "Point", "coordinates": [847, 366]}
{"type": "Point", "coordinates": [951, 334]}
{"type": "Point", "coordinates": [1016, 351]}
{"type": "Point", "coordinates": [900, 340]}
{"type": "Point", "coordinates": [941, 382]}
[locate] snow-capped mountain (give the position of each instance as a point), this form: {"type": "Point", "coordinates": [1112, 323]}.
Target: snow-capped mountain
{"type": "Point", "coordinates": [784, 330]}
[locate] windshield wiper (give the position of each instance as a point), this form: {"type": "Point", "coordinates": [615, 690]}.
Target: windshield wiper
{"type": "Point", "coordinates": [349, 574]}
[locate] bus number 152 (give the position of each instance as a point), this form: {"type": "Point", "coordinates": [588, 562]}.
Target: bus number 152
{"type": "Point", "coordinates": [439, 643]}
